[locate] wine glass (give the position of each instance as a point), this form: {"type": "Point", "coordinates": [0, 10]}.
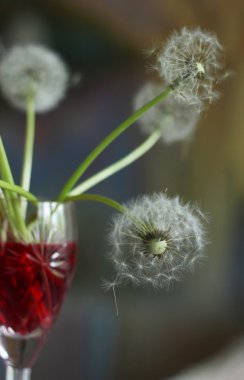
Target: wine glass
{"type": "Point", "coordinates": [37, 262]}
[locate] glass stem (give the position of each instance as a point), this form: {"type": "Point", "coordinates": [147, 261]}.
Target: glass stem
{"type": "Point", "coordinates": [17, 373]}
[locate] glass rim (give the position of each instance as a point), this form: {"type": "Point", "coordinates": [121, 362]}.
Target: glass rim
{"type": "Point", "coordinates": [38, 201]}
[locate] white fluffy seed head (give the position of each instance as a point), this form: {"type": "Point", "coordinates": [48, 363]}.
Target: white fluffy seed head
{"type": "Point", "coordinates": [156, 240]}
{"type": "Point", "coordinates": [191, 61]}
{"type": "Point", "coordinates": [174, 117]}
{"type": "Point", "coordinates": [32, 70]}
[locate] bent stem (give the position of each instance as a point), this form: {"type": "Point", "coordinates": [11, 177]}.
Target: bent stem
{"type": "Point", "coordinates": [18, 190]}
{"type": "Point", "coordinates": [97, 198]}
{"type": "Point", "coordinates": [10, 206]}
{"type": "Point", "coordinates": [108, 140]}
{"type": "Point", "coordinates": [118, 165]}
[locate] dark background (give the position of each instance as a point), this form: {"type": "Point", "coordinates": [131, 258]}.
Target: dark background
{"type": "Point", "coordinates": [157, 333]}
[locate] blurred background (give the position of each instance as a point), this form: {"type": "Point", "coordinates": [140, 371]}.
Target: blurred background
{"type": "Point", "coordinates": [157, 334]}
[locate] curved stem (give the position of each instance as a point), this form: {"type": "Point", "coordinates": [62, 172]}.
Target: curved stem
{"type": "Point", "coordinates": [97, 198]}
{"type": "Point", "coordinates": [18, 190]}
{"type": "Point", "coordinates": [108, 140]}
{"type": "Point", "coordinates": [118, 165]}
{"type": "Point", "coordinates": [29, 143]}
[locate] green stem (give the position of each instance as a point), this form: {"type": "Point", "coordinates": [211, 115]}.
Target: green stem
{"type": "Point", "coordinates": [18, 190]}
{"type": "Point", "coordinates": [120, 164]}
{"type": "Point", "coordinates": [14, 213]}
{"type": "Point", "coordinates": [4, 165]}
{"type": "Point", "coordinates": [97, 198]}
{"type": "Point", "coordinates": [6, 174]}
{"type": "Point", "coordinates": [29, 143]}
{"type": "Point", "coordinates": [108, 140]}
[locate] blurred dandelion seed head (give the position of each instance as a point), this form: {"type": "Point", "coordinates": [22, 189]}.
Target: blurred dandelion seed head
{"type": "Point", "coordinates": [174, 117]}
{"type": "Point", "coordinates": [32, 70]}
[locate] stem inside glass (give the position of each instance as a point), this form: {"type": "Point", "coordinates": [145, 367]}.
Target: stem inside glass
{"type": "Point", "coordinates": [37, 265]}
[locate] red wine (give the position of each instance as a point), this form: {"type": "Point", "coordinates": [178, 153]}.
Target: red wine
{"type": "Point", "coordinates": [33, 282]}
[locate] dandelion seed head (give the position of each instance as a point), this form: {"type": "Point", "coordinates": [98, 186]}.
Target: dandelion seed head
{"type": "Point", "coordinates": [191, 61]}
{"type": "Point", "coordinates": [174, 117]}
{"type": "Point", "coordinates": [33, 70]}
{"type": "Point", "coordinates": [158, 238]}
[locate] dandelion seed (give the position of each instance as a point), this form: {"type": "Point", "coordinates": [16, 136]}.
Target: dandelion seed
{"type": "Point", "coordinates": [33, 71]}
{"type": "Point", "coordinates": [107, 285]}
{"type": "Point", "coordinates": [175, 118]}
{"type": "Point", "coordinates": [158, 238]}
{"type": "Point", "coordinates": [191, 62]}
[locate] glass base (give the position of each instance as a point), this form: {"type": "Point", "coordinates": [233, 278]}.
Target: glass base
{"type": "Point", "coordinates": [20, 351]}
{"type": "Point", "coordinates": [17, 373]}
